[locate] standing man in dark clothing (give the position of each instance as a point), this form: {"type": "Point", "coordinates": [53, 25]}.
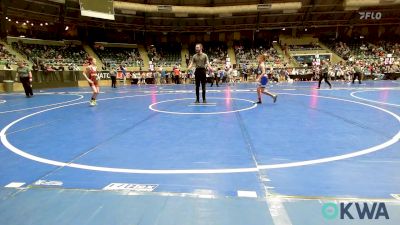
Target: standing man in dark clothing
{"type": "Point", "coordinates": [113, 75]}
{"type": "Point", "coordinates": [187, 60]}
{"type": "Point", "coordinates": [324, 74]}
{"type": "Point", "coordinates": [123, 70]}
{"type": "Point", "coordinates": [244, 71]}
{"type": "Point", "coordinates": [357, 73]}
{"type": "Point", "coordinates": [201, 63]}
{"type": "Point", "coordinates": [25, 76]}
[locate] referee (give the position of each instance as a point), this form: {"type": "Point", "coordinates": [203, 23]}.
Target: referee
{"type": "Point", "coordinates": [25, 77]}
{"type": "Point", "coordinates": [358, 72]}
{"type": "Point", "coordinates": [200, 62]}
{"type": "Point", "coordinates": [324, 75]}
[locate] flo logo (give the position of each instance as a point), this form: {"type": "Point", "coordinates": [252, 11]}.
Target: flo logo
{"type": "Point", "coordinates": [370, 15]}
{"type": "Point", "coordinates": [354, 210]}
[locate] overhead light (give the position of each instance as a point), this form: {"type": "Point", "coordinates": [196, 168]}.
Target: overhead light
{"type": "Point", "coordinates": [361, 37]}
{"type": "Point", "coordinates": [22, 36]}
{"type": "Point", "coordinates": [305, 29]}
{"type": "Point", "coordinates": [66, 28]}
{"type": "Point", "coordinates": [274, 41]}
{"type": "Point", "coordinates": [41, 24]}
{"type": "Point", "coordinates": [16, 22]}
{"type": "Point", "coordinates": [27, 21]}
{"type": "Point", "coordinates": [6, 18]}
{"type": "Point", "coordinates": [46, 24]}
{"type": "Point", "coordinates": [24, 24]}
{"type": "Point", "coordinates": [9, 20]}
{"type": "Point", "coordinates": [32, 24]}
{"type": "Point", "coordinates": [283, 28]}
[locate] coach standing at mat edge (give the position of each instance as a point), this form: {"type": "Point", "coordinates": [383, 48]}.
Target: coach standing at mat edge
{"type": "Point", "coordinates": [200, 61]}
{"type": "Point", "coordinates": [25, 77]}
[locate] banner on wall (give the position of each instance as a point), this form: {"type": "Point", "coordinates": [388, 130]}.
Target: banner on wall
{"type": "Point", "coordinates": [370, 15]}
{"type": "Point", "coordinates": [105, 75]}
{"type": "Point", "coordinates": [389, 60]}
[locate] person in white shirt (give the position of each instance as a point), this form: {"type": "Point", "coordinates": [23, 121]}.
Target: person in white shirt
{"type": "Point", "coordinates": [142, 79]}
{"type": "Point", "coordinates": [234, 74]}
{"type": "Point", "coordinates": [229, 73]}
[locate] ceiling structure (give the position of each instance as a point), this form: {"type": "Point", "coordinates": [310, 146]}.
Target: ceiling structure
{"type": "Point", "coordinates": [311, 14]}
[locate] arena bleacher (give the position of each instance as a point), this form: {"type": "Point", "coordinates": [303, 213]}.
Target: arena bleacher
{"type": "Point", "coordinates": [166, 55]}
{"type": "Point", "coordinates": [6, 58]}
{"type": "Point", "coordinates": [247, 54]}
{"type": "Point", "coordinates": [53, 55]}
{"type": "Point", "coordinates": [118, 56]}
{"type": "Point", "coordinates": [217, 52]}
{"type": "Point", "coordinates": [110, 115]}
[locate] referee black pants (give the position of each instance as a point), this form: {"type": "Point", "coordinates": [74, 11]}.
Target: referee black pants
{"type": "Point", "coordinates": [216, 79]}
{"type": "Point", "coordinates": [27, 86]}
{"type": "Point", "coordinates": [324, 76]}
{"type": "Point", "coordinates": [358, 75]}
{"type": "Point", "coordinates": [200, 77]}
{"type": "Point", "coordinates": [113, 81]}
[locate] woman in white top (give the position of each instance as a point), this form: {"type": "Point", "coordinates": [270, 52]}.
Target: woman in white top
{"type": "Point", "coordinates": [142, 79]}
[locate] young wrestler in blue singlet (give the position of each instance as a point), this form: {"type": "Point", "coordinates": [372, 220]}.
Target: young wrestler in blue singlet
{"type": "Point", "coordinates": [262, 80]}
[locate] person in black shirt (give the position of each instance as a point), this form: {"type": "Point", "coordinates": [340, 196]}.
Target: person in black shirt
{"type": "Point", "coordinates": [324, 74]}
{"type": "Point", "coordinates": [113, 75]}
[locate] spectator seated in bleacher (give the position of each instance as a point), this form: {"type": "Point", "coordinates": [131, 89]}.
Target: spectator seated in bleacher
{"type": "Point", "coordinates": [115, 55]}
{"type": "Point", "coordinates": [246, 55]}
{"type": "Point", "coordinates": [52, 54]}
{"type": "Point", "coordinates": [371, 57]}
{"type": "Point", "coordinates": [390, 48]}
{"type": "Point", "coordinates": [6, 58]}
{"type": "Point", "coordinates": [342, 49]}
{"type": "Point", "coordinates": [167, 55]}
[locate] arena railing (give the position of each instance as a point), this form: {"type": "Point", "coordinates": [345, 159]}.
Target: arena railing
{"type": "Point", "coordinates": [53, 79]}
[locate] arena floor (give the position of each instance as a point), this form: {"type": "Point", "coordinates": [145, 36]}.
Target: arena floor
{"type": "Point", "coordinates": [148, 155]}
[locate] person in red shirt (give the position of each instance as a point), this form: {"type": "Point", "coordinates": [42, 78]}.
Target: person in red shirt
{"type": "Point", "coordinates": [177, 72]}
